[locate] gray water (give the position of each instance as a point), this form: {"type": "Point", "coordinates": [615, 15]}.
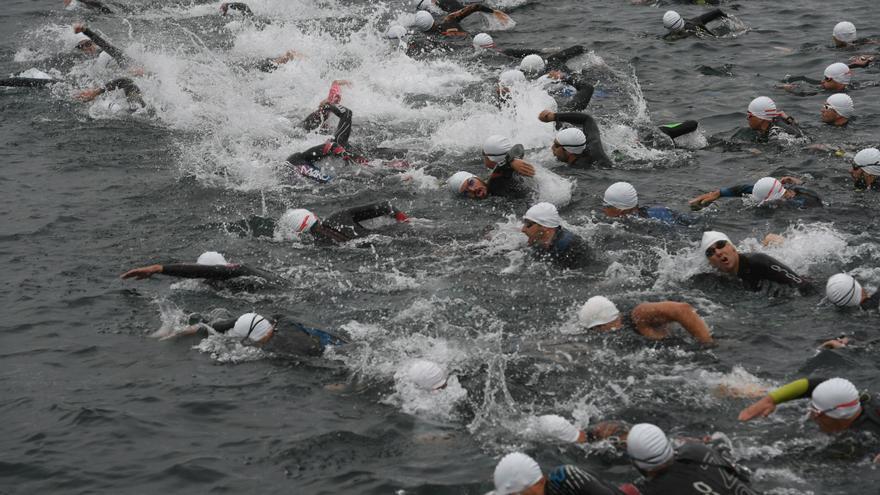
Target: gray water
{"type": "Point", "coordinates": [91, 404]}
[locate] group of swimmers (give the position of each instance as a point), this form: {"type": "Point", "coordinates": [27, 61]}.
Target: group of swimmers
{"type": "Point", "coordinates": [667, 465]}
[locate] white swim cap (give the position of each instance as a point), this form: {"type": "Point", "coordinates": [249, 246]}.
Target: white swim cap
{"type": "Point", "coordinates": [710, 237]}
{"type": "Point", "coordinates": [456, 182]}
{"type": "Point", "coordinates": [556, 427]}
{"type": "Point", "coordinates": [767, 189]}
{"type": "Point", "coordinates": [252, 326]}
{"type": "Point", "coordinates": [532, 64]}
{"type": "Point", "coordinates": [672, 21]}
{"type": "Point", "coordinates": [839, 72]}
{"type": "Point", "coordinates": [483, 40]}
{"type": "Point", "coordinates": [515, 473]}
{"type": "Point", "coordinates": [423, 20]}
{"type": "Point", "coordinates": [211, 258]}
{"type": "Point", "coordinates": [841, 103]}
{"type": "Point", "coordinates": [424, 4]}
{"type": "Point", "coordinates": [426, 375]}
{"type": "Point", "coordinates": [648, 446]}
{"type": "Point", "coordinates": [495, 147]}
{"type": "Point", "coordinates": [598, 310]}
{"type": "Point", "coordinates": [511, 77]}
{"type": "Point", "coordinates": [868, 160]}
{"type": "Point", "coordinates": [621, 195]}
{"type": "Point", "coordinates": [845, 31]}
{"type": "Point", "coordinates": [395, 32]}
{"type": "Point", "coordinates": [543, 214]}
{"type": "Point", "coordinates": [836, 398]}
{"type": "Point", "coordinates": [299, 220]}
{"type": "Point", "coordinates": [572, 139]}
{"type": "Point", "coordinates": [843, 290]}
{"type": "Point", "coordinates": [764, 108]}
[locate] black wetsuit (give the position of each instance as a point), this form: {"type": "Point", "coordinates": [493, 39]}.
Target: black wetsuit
{"type": "Point", "coordinates": [132, 92]}
{"type": "Point", "coordinates": [336, 146]}
{"type": "Point", "coordinates": [420, 45]}
{"type": "Point", "coordinates": [554, 61]}
{"type": "Point", "coordinates": [505, 181]}
{"type": "Point", "coordinates": [872, 302]}
{"type": "Point", "coordinates": [566, 250]}
{"type": "Point", "coordinates": [450, 5]}
{"type": "Point", "coordinates": [594, 154]}
{"type": "Point", "coordinates": [241, 7]}
{"type": "Point", "coordinates": [111, 50]}
{"type": "Point", "coordinates": [803, 197]}
{"type": "Point", "coordinates": [557, 62]}
{"type": "Point", "coordinates": [696, 25]}
{"type": "Point", "coordinates": [779, 128]}
{"type": "Point", "coordinates": [814, 86]}
{"type": "Point", "coordinates": [290, 338]}
{"type": "Point", "coordinates": [346, 225]}
{"type": "Point", "coordinates": [26, 82]}
{"type": "Point", "coordinates": [760, 272]}
{"type": "Point", "coordinates": [214, 272]}
{"type": "Point", "coordinates": [451, 24]}
{"type": "Point", "coordinates": [698, 470]}
{"type": "Point", "coordinates": [96, 5]}
{"type": "Point", "coordinates": [572, 480]}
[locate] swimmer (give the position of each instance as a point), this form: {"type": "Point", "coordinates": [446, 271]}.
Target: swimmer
{"type": "Point", "coordinates": [549, 240]}
{"type": "Point", "coordinates": [757, 271]}
{"type": "Point", "coordinates": [504, 159]}
{"type": "Point", "coordinates": [235, 7]}
{"type": "Point", "coordinates": [692, 469]}
{"type": "Point", "coordinates": [579, 146]}
{"type": "Point", "coordinates": [836, 405]}
{"type": "Point", "coordinates": [621, 200]}
{"type": "Point", "coordinates": [844, 291]}
{"type": "Point", "coordinates": [342, 226]}
{"type": "Point", "coordinates": [450, 25]}
{"type": "Point", "coordinates": [271, 64]}
{"type": "Point", "coordinates": [279, 335]}
{"type": "Point", "coordinates": [518, 473]}
{"type": "Point", "coordinates": [304, 161]}
{"type": "Point", "coordinates": [865, 169]}
{"type": "Point", "coordinates": [651, 319]}
{"type": "Point", "coordinates": [572, 90]}
{"type": "Point", "coordinates": [681, 28]}
{"type": "Point", "coordinates": [425, 375]}
{"type": "Point", "coordinates": [844, 35]}
{"type": "Point", "coordinates": [766, 192]}
{"type": "Point", "coordinates": [769, 123]}
{"type": "Point", "coordinates": [838, 78]}
{"type": "Point", "coordinates": [132, 93]}
{"type": "Point", "coordinates": [468, 184]}
{"type": "Point", "coordinates": [837, 110]}
{"type": "Point", "coordinates": [444, 5]}
{"type": "Point", "coordinates": [210, 265]}
{"type": "Point", "coordinates": [94, 44]}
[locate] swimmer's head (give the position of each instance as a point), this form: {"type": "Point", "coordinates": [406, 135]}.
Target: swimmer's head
{"type": "Point", "coordinates": [468, 184]}
{"type": "Point", "coordinates": [843, 290]}
{"type": "Point", "coordinates": [253, 327]}
{"type": "Point", "coordinates": [517, 473]}
{"type": "Point", "coordinates": [495, 149]}
{"type": "Point", "coordinates": [649, 448]}
{"type": "Point", "coordinates": [532, 65]}
{"type": "Point", "coordinates": [673, 21]}
{"type": "Point", "coordinates": [86, 45]}
{"type": "Point", "coordinates": [539, 224]}
{"type": "Point", "coordinates": [556, 428]}
{"type": "Point", "coordinates": [838, 109]}
{"type": "Point", "coordinates": [835, 405]}
{"type": "Point", "coordinates": [211, 258]}
{"type": "Point", "coordinates": [483, 41]}
{"type": "Point", "coordinates": [569, 144]}
{"type": "Point", "coordinates": [767, 190]}
{"type": "Point", "coordinates": [599, 314]}
{"type": "Point", "coordinates": [297, 221]}
{"type": "Point", "coordinates": [844, 33]}
{"type": "Point", "coordinates": [508, 79]}
{"type": "Point", "coordinates": [762, 110]}
{"type": "Point", "coordinates": [423, 21]}
{"type": "Point", "coordinates": [837, 77]}
{"type": "Point", "coordinates": [620, 198]}
{"type": "Point", "coordinates": [719, 251]}
{"type": "Point", "coordinates": [866, 167]}
{"type": "Point", "coordinates": [426, 375]}
{"type": "Point", "coordinates": [395, 32]}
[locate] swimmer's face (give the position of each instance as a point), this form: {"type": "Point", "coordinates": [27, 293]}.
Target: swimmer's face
{"type": "Point", "coordinates": [757, 123]}
{"type": "Point", "coordinates": [489, 163]}
{"type": "Point", "coordinates": [832, 85]}
{"type": "Point", "coordinates": [475, 188]}
{"type": "Point", "coordinates": [559, 152]}
{"type": "Point", "coordinates": [536, 233]}
{"type": "Point", "coordinates": [723, 256]}
{"type": "Point", "coordinates": [828, 424]}
{"type": "Point", "coordinates": [838, 43]}
{"type": "Point", "coordinates": [829, 114]}
{"type": "Point", "coordinates": [611, 211]}
{"type": "Point", "coordinates": [87, 46]}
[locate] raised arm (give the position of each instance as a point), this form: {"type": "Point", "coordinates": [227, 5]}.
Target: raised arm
{"type": "Point", "coordinates": [458, 15]}
{"type": "Point", "coordinates": [111, 50]}
{"type": "Point", "coordinates": [651, 320]}
{"type": "Point", "coordinates": [561, 57]}
{"type": "Point", "coordinates": [189, 270]}
{"type": "Point", "coordinates": [728, 192]}
{"type": "Point", "coordinates": [343, 130]}
{"type": "Point", "coordinates": [709, 17]}
{"type": "Point", "coordinates": [375, 210]}
{"type": "Point", "coordinates": [788, 392]}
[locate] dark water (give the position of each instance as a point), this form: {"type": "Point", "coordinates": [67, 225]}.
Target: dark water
{"type": "Point", "coordinates": [90, 404]}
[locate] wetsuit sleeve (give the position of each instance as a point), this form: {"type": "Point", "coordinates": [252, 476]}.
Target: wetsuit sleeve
{"type": "Point", "coordinates": [591, 131]}
{"type": "Point", "coordinates": [583, 96]}
{"type": "Point", "coordinates": [223, 326]}
{"type": "Point", "coordinates": [708, 17]}
{"type": "Point", "coordinates": [241, 7]}
{"type": "Point", "coordinates": [450, 5]}
{"type": "Point", "coordinates": [733, 191]}
{"type": "Point", "coordinates": [107, 47]}
{"type": "Point", "coordinates": [308, 156]}
{"type": "Point", "coordinates": [374, 210]}
{"type": "Point", "coordinates": [132, 92]}
{"type": "Point", "coordinates": [559, 58]}
{"type": "Point", "coordinates": [343, 130]}
{"type": "Point", "coordinates": [25, 82]}
{"type": "Point", "coordinates": [519, 52]}
{"type": "Point", "coordinates": [94, 4]}
{"type": "Point", "coordinates": [314, 119]}
{"type": "Point", "coordinates": [795, 390]}
{"type": "Point", "coordinates": [213, 272]}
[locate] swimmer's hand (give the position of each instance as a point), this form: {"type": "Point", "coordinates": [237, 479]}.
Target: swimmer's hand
{"type": "Point", "coordinates": [89, 94]}
{"type": "Point", "coordinates": [704, 200]}
{"type": "Point", "coordinates": [547, 116]}
{"type": "Point", "coordinates": [555, 74]}
{"type": "Point", "coordinates": [762, 408]}
{"type": "Point", "coordinates": [835, 343]}
{"type": "Point", "coordinates": [818, 147]}
{"type": "Point", "coordinates": [180, 332]}
{"type": "Point", "coordinates": [78, 27]}
{"type": "Point", "coordinates": [788, 87]}
{"type": "Point", "coordinates": [790, 181]}
{"type": "Point", "coordinates": [142, 272]}
{"type": "Point", "coordinates": [523, 168]}
{"type": "Point", "coordinates": [861, 60]}
{"type": "Point", "coordinates": [773, 240]}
